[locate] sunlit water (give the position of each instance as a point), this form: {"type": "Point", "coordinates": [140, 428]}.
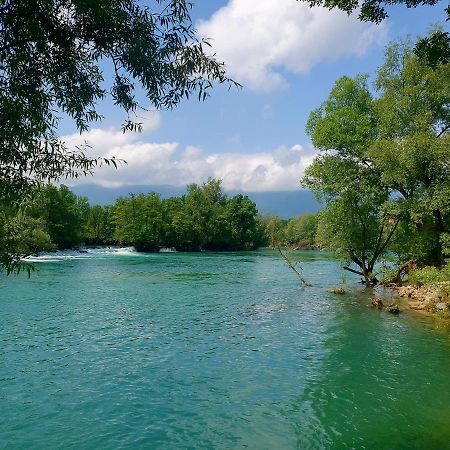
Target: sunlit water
{"type": "Point", "coordinates": [109, 350]}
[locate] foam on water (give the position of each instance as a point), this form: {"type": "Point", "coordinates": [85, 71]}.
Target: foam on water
{"type": "Point", "coordinates": [81, 254]}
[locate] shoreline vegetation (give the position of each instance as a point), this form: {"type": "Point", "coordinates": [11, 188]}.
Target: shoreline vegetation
{"type": "Point", "coordinates": [203, 219]}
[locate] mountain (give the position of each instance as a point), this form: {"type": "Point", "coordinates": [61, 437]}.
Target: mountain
{"type": "Point", "coordinates": [284, 204]}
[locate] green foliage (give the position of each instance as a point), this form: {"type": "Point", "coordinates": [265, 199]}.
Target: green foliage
{"type": "Point", "coordinates": [416, 241]}
{"type": "Point", "coordinates": [445, 242]}
{"type": "Point", "coordinates": [63, 214]}
{"type": "Point", "coordinates": [274, 228]}
{"type": "Point", "coordinates": [431, 50]}
{"type": "Point", "coordinates": [434, 49]}
{"type": "Point", "coordinates": [99, 225]}
{"type": "Point", "coordinates": [241, 220]}
{"type": "Point", "coordinates": [369, 10]}
{"type": "Point", "coordinates": [297, 232]}
{"type": "Point", "coordinates": [51, 53]}
{"type": "Point", "coordinates": [301, 231]}
{"type": "Point", "coordinates": [203, 219]}
{"type": "Point", "coordinates": [21, 236]}
{"type": "Point", "coordinates": [346, 122]}
{"type": "Point", "coordinates": [139, 221]}
{"type": "Point", "coordinates": [384, 172]}
{"type": "Point", "coordinates": [430, 275]}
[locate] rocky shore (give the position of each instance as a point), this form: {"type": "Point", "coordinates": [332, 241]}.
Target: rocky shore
{"type": "Point", "coordinates": [434, 298]}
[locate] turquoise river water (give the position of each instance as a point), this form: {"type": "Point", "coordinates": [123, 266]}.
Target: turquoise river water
{"type": "Point", "coordinates": [111, 350]}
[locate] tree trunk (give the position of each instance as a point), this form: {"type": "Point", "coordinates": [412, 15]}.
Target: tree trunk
{"type": "Point", "coordinates": [440, 228]}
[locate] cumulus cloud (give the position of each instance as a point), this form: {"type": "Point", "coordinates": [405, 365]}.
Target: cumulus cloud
{"type": "Point", "coordinates": [101, 140]}
{"type": "Point", "coordinates": [151, 163]}
{"type": "Point", "coordinates": [258, 39]}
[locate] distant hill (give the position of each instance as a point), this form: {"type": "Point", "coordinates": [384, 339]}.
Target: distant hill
{"type": "Point", "coordinates": [282, 203]}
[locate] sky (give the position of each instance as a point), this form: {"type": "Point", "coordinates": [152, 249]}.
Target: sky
{"type": "Point", "coordinates": [287, 57]}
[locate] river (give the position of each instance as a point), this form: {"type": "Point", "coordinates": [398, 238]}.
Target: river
{"type": "Point", "coordinates": [113, 349]}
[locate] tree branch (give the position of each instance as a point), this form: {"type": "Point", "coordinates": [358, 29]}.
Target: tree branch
{"type": "Point", "coordinates": [288, 262]}
{"type": "Point", "coordinates": [353, 271]}
{"type": "Point", "coordinates": [443, 131]}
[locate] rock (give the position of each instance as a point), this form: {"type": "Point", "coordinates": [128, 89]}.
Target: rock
{"type": "Point", "coordinates": [377, 303]}
{"type": "Point", "coordinates": [407, 291]}
{"type": "Point", "coordinates": [442, 306]}
{"type": "Point", "coordinates": [432, 297]}
{"type": "Point", "coordinates": [337, 290]}
{"type": "Point", "coordinates": [420, 306]}
{"type": "Point", "coordinates": [393, 308]}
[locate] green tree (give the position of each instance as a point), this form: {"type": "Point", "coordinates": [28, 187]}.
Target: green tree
{"type": "Point", "coordinates": [274, 229]}
{"type": "Point", "coordinates": [384, 162]}
{"type": "Point", "coordinates": [203, 206]}
{"type": "Point", "coordinates": [301, 231]}
{"type": "Point", "coordinates": [413, 147]}
{"type": "Point", "coordinates": [241, 222]}
{"type": "Point", "coordinates": [203, 219]}
{"type": "Point", "coordinates": [21, 236]}
{"type": "Point", "coordinates": [179, 224]}
{"type": "Point", "coordinates": [99, 225]}
{"type": "Point", "coordinates": [62, 213]}
{"type": "Point", "coordinates": [139, 221]}
{"type": "Point", "coordinates": [370, 10]}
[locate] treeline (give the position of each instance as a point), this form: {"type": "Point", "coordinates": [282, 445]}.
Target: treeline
{"type": "Point", "coordinates": [202, 219]}
{"type": "Point", "coordinates": [298, 232]}
{"type": "Point", "coordinates": [205, 218]}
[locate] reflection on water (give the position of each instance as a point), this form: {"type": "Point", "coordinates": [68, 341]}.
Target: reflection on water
{"type": "Point", "coordinates": [213, 351]}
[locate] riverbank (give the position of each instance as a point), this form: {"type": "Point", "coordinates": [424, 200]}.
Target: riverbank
{"type": "Point", "coordinates": [433, 299]}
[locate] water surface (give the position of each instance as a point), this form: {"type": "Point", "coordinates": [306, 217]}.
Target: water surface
{"type": "Point", "coordinates": [119, 350]}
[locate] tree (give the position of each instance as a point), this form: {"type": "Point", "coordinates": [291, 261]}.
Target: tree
{"type": "Point", "coordinates": [384, 162]}
{"type": "Point", "coordinates": [356, 231]}
{"type": "Point", "coordinates": [139, 221]}
{"type": "Point", "coordinates": [413, 148]}
{"type": "Point", "coordinates": [62, 213]}
{"type": "Point", "coordinates": [203, 219]}
{"type": "Point", "coordinates": [99, 225]}
{"type": "Point", "coordinates": [273, 228]}
{"type": "Point", "coordinates": [52, 55]}
{"type": "Point", "coordinates": [434, 49]}
{"type": "Point", "coordinates": [301, 231]}
{"type": "Point", "coordinates": [241, 222]}
{"type": "Point", "coordinates": [203, 205]}
{"type": "Point", "coordinates": [371, 10]}
{"type": "Point", "coordinates": [21, 236]}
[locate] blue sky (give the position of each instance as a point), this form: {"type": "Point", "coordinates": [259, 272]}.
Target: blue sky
{"type": "Point", "coordinates": [287, 57]}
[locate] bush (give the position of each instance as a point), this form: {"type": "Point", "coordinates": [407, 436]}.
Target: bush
{"type": "Point", "coordinates": [430, 275]}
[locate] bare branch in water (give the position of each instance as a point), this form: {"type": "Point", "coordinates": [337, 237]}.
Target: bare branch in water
{"type": "Point", "coordinates": [289, 263]}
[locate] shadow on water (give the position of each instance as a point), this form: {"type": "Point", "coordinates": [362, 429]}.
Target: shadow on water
{"type": "Point", "coordinates": [382, 384]}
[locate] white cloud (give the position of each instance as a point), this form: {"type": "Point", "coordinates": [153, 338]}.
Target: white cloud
{"type": "Point", "coordinates": [256, 39]}
{"type": "Point", "coordinates": [101, 140]}
{"type": "Point", "coordinates": [166, 163]}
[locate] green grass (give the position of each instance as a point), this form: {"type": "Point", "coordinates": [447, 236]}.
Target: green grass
{"type": "Point", "coordinates": [430, 275]}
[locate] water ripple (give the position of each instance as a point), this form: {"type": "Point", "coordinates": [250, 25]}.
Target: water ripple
{"type": "Point", "coordinates": [212, 351]}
